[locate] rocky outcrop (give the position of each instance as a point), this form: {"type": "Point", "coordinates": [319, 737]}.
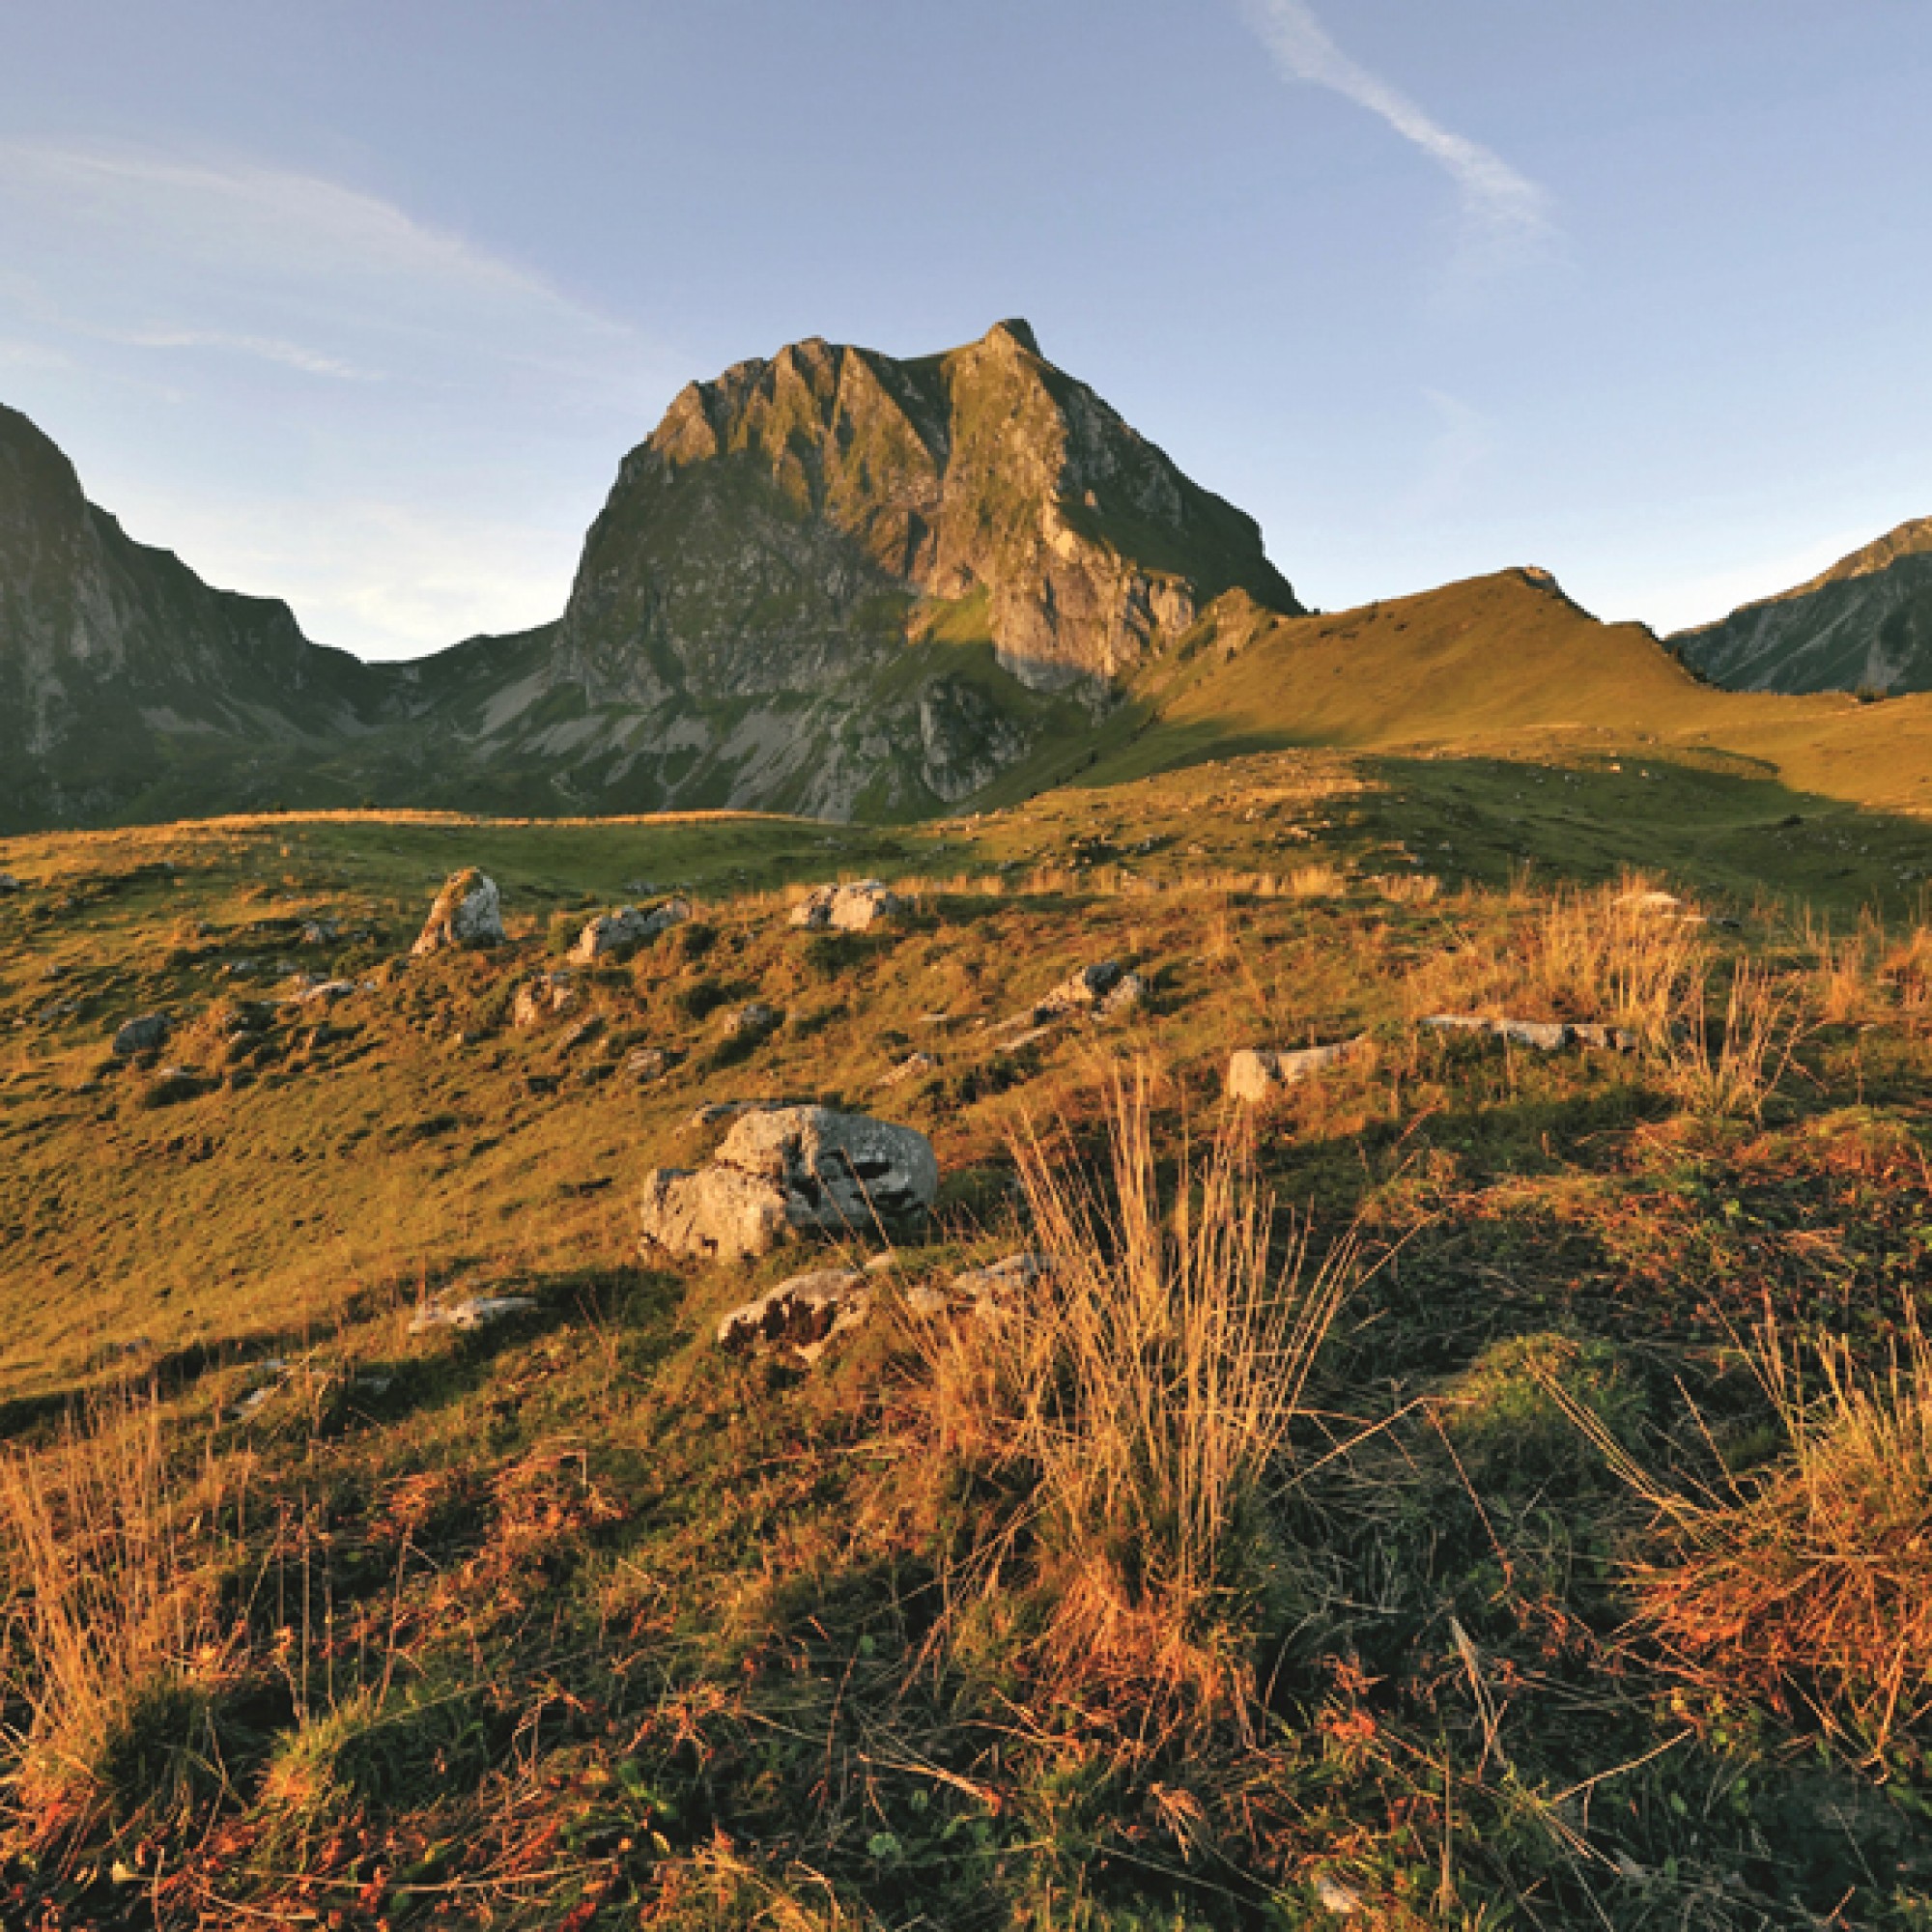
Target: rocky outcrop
{"type": "Point", "coordinates": [618, 934]}
{"type": "Point", "coordinates": [786, 1171]}
{"type": "Point", "coordinates": [468, 913]}
{"type": "Point", "coordinates": [848, 908]}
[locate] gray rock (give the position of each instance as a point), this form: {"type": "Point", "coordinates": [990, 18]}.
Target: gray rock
{"type": "Point", "coordinates": [467, 912]}
{"type": "Point", "coordinates": [1082, 992]}
{"type": "Point", "coordinates": [848, 908]}
{"type": "Point", "coordinates": [478, 1311]}
{"type": "Point", "coordinates": [583, 1030]}
{"type": "Point", "coordinates": [717, 1213]}
{"type": "Point", "coordinates": [319, 932]}
{"type": "Point", "coordinates": [548, 994]}
{"type": "Point", "coordinates": [10, 884]}
{"type": "Point", "coordinates": [806, 1314]}
{"type": "Point", "coordinates": [617, 934]}
{"type": "Point", "coordinates": [1544, 1035]}
{"type": "Point", "coordinates": [652, 1062]}
{"type": "Point", "coordinates": [145, 1033]}
{"type": "Point", "coordinates": [1129, 992]}
{"type": "Point", "coordinates": [1255, 1072]}
{"type": "Point", "coordinates": [839, 1171]}
{"type": "Point", "coordinates": [751, 1023]}
{"type": "Point", "coordinates": [785, 1171]}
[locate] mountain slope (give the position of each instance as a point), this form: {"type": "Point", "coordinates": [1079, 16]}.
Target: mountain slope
{"type": "Point", "coordinates": [124, 678]}
{"type": "Point", "coordinates": [1865, 624]}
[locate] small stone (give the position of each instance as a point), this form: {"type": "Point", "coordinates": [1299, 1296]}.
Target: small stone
{"type": "Point", "coordinates": [144, 1034]}
{"type": "Point", "coordinates": [752, 1022]}
{"type": "Point", "coordinates": [652, 1062]}
{"type": "Point", "coordinates": [10, 884]}
{"type": "Point", "coordinates": [328, 991]}
{"type": "Point", "coordinates": [468, 912]}
{"type": "Point", "coordinates": [583, 1030]}
{"type": "Point", "coordinates": [848, 908]}
{"type": "Point", "coordinates": [909, 1068]}
{"type": "Point", "coordinates": [806, 1314]}
{"type": "Point", "coordinates": [926, 1301]}
{"type": "Point", "coordinates": [319, 932]}
{"type": "Point", "coordinates": [1083, 992]}
{"type": "Point", "coordinates": [478, 1311]}
{"type": "Point", "coordinates": [1129, 992]}
{"type": "Point", "coordinates": [546, 994]}
{"type": "Point", "coordinates": [996, 1280]}
{"type": "Point", "coordinates": [1544, 1035]}
{"type": "Point", "coordinates": [1255, 1072]}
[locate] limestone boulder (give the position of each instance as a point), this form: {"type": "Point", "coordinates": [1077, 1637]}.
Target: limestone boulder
{"type": "Point", "coordinates": [618, 934]}
{"type": "Point", "coordinates": [782, 1171]}
{"type": "Point", "coordinates": [839, 1173]}
{"type": "Point", "coordinates": [848, 908]}
{"type": "Point", "coordinates": [468, 912]}
{"type": "Point", "coordinates": [714, 1213]}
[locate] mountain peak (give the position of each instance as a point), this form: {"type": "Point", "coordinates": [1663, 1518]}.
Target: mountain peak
{"type": "Point", "coordinates": [1016, 331]}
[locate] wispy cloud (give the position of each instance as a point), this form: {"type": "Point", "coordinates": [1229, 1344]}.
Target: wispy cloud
{"type": "Point", "coordinates": [1505, 212]}
{"type": "Point", "coordinates": [157, 252]}
{"type": "Point", "coordinates": [265, 347]}
{"type": "Point", "coordinates": [309, 390]}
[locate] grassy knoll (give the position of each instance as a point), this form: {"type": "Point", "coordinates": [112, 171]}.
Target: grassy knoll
{"type": "Point", "coordinates": [579, 1621]}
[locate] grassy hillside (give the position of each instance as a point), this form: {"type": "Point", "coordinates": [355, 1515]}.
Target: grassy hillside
{"type": "Point", "coordinates": [1500, 665]}
{"type": "Point", "coordinates": [1564, 1591]}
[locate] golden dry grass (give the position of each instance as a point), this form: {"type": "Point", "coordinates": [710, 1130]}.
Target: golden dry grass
{"type": "Point", "coordinates": [111, 1589]}
{"type": "Point", "coordinates": [1144, 1388]}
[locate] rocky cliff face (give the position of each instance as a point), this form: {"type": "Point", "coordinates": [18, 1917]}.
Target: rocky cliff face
{"type": "Point", "coordinates": [843, 583]}
{"type": "Point", "coordinates": [829, 582]}
{"type": "Point", "coordinates": [120, 669]}
{"type": "Point", "coordinates": [1865, 624]}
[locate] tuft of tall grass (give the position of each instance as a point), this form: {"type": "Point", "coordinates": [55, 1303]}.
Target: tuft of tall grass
{"type": "Point", "coordinates": [1729, 1069]}
{"type": "Point", "coordinates": [1602, 954]}
{"type": "Point", "coordinates": [1142, 1392]}
{"type": "Point", "coordinates": [113, 1647]}
{"type": "Point", "coordinates": [1808, 1582]}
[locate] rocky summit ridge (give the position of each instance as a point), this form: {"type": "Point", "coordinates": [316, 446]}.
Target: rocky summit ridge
{"type": "Point", "coordinates": [830, 581]}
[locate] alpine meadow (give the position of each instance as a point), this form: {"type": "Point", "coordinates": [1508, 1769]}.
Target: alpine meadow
{"type": "Point", "coordinates": [943, 1215]}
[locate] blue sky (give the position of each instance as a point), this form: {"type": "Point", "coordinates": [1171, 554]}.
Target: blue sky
{"type": "Point", "coordinates": [361, 304]}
